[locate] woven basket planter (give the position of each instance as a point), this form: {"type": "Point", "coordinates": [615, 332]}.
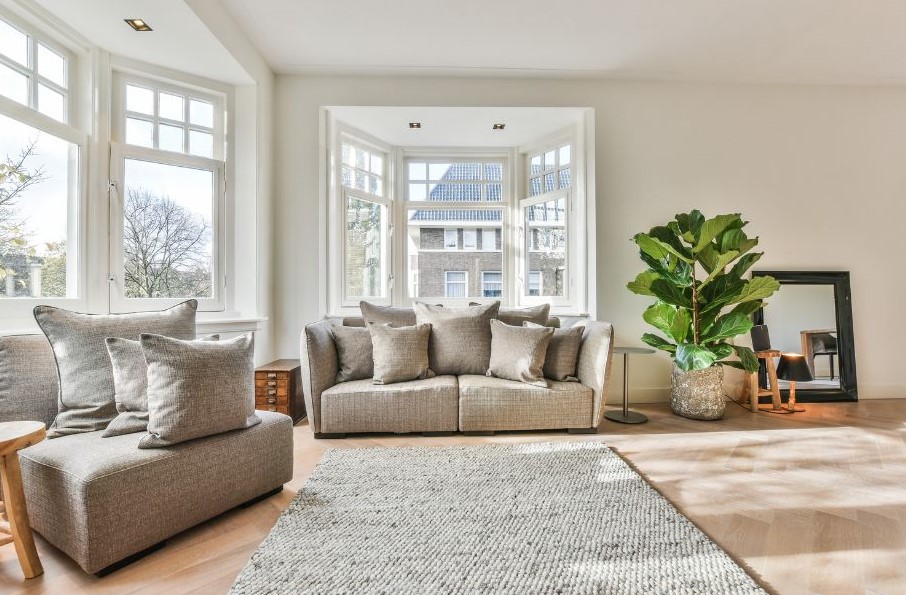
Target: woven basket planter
{"type": "Point", "coordinates": [698, 394]}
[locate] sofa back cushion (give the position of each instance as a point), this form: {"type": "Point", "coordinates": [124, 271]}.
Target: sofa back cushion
{"type": "Point", "coordinates": [373, 314]}
{"type": "Point", "coordinates": [86, 401]}
{"type": "Point", "coordinates": [198, 388]}
{"type": "Point", "coordinates": [460, 337]}
{"type": "Point", "coordinates": [28, 379]}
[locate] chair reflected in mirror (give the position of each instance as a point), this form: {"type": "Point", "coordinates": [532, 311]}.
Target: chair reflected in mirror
{"type": "Point", "coordinates": [822, 344]}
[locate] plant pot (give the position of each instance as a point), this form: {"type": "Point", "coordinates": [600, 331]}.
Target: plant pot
{"type": "Point", "coordinates": [698, 394]}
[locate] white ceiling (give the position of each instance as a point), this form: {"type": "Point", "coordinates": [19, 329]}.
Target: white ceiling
{"type": "Point", "coordinates": [782, 41]}
{"type": "Point", "coordinates": [458, 126]}
{"type": "Point", "coordinates": [180, 40]}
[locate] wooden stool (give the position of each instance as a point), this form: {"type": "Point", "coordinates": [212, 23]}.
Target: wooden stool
{"type": "Point", "coordinates": [756, 391]}
{"type": "Point", "coordinates": [14, 436]}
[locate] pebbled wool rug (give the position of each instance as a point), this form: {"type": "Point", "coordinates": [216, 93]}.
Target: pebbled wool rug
{"type": "Point", "coordinates": [511, 519]}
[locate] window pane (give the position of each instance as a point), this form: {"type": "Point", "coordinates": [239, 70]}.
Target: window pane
{"type": "Point", "coordinates": [489, 239]}
{"type": "Point", "coordinates": [361, 159]}
{"type": "Point", "coordinates": [346, 174]}
{"type": "Point", "coordinates": [418, 171]}
{"type": "Point", "coordinates": [201, 113]}
{"type": "Point", "coordinates": [564, 155]}
{"type": "Point", "coordinates": [433, 237]}
{"type": "Point", "coordinates": [170, 138]}
{"type": "Point", "coordinates": [361, 180]}
{"type": "Point", "coordinates": [51, 65]}
{"type": "Point", "coordinates": [417, 192]}
{"type": "Point", "coordinates": [139, 132]}
{"type": "Point", "coordinates": [171, 107]}
{"type": "Point", "coordinates": [493, 171]}
{"type": "Point", "coordinates": [492, 284]}
{"type": "Point", "coordinates": [377, 165]}
{"type": "Point", "coordinates": [535, 167]}
{"type": "Point", "coordinates": [550, 160]}
{"type": "Point", "coordinates": [39, 191]}
{"type": "Point", "coordinates": [13, 43]}
{"type": "Point", "coordinates": [375, 186]}
{"type": "Point", "coordinates": [167, 231]}
{"type": "Point", "coordinates": [139, 99]}
{"type": "Point", "coordinates": [535, 186]}
{"type": "Point", "coordinates": [366, 227]}
{"type": "Point", "coordinates": [51, 103]}
{"type": "Point", "coordinates": [550, 182]}
{"type": "Point", "coordinates": [13, 84]}
{"type": "Point", "coordinates": [201, 144]}
{"type": "Point", "coordinates": [564, 177]}
{"type": "Point", "coordinates": [495, 192]}
{"type": "Point", "coordinates": [437, 171]}
{"type": "Point", "coordinates": [546, 248]}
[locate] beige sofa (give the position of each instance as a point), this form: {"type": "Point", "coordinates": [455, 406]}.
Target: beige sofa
{"type": "Point", "coordinates": [446, 404]}
{"type": "Point", "coordinates": [103, 501]}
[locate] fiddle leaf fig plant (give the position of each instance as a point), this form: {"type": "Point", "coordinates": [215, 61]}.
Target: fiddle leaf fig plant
{"type": "Point", "coordinates": [702, 301]}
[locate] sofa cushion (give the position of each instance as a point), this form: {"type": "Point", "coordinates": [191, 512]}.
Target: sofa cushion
{"type": "Point", "coordinates": [400, 353]}
{"type": "Point", "coordinates": [497, 404]}
{"type": "Point", "coordinates": [460, 337]}
{"type": "Point", "coordinates": [418, 406]}
{"type": "Point", "coordinates": [103, 499]}
{"type": "Point", "coordinates": [517, 353]}
{"type": "Point", "coordinates": [562, 353]}
{"type": "Point", "coordinates": [197, 388]}
{"type": "Point", "coordinates": [354, 353]}
{"type": "Point", "coordinates": [86, 402]}
{"type": "Point", "coordinates": [375, 314]}
{"type": "Point", "coordinates": [28, 379]}
{"type": "Point", "coordinates": [516, 316]}
{"type": "Point", "coordinates": [130, 385]}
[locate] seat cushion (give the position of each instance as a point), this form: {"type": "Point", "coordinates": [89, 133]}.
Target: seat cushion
{"type": "Point", "coordinates": [497, 404]}
{"type": "Point", "coordinates": [103, 499]}
{"type": "Point", "coordinates": [429, 405]}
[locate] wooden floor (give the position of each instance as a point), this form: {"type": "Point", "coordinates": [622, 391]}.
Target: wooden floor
{"type": "Point", "coordinates": [813, 502]}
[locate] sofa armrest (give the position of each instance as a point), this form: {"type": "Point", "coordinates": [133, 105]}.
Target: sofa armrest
{"type": "Point", "coordinates": [320, 364]}
{"type": "Point", "coordinates": [595, 358]}
{"type": "Point", "coordinates": [29, 387]}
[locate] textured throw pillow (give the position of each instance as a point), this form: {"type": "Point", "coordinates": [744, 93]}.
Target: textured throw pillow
{"type": "Point", "coordinates": [516, 316]}
{"type": "Point", "coordinates": [386, 315]}
{"type": "Point", "coordinates": [517, 353]}
{"type": "Point", "coordinates": [86, 402]}
{"type": "Point", "coordinates": [354, 353]}
{"type": "Point", "coordinates": [562, 353]}
{"type": "Point", "coordinates": [198, 388]}
{"type": "Point", "coordinates": [400, 353]}
{"type": "Point", "coordinates": [460, 337]}
{"type": "Point", "coordinates": [130, 385]}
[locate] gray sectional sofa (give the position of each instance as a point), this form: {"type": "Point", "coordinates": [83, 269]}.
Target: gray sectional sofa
{"type": "Point", "coordinates": [446, 404]}
{"type": "Point", "coordinates": [103, 500]}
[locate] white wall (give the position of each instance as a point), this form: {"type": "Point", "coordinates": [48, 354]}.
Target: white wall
{"type": "Point", "coordinates": [819, 171]}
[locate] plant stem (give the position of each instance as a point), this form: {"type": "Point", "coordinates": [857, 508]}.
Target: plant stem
{"type": "Point", "coordinates": [696, 334]}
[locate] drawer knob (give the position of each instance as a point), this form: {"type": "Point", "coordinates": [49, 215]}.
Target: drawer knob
{"type": "Point", "coordinates": [272, 391]}
{"type": "Point", "coordinates": [272, 383]}
{"type": "Point", "coordinates": [271, 374]}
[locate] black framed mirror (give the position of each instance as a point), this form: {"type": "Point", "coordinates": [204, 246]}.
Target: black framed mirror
{"type": "Point", "coordinates": [812, 314]}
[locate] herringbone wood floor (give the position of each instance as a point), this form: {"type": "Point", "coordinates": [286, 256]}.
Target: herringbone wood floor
{"type": "Point", "coordinates": [813, 502]}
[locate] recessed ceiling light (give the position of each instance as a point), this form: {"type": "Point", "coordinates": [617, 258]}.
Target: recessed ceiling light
{"type": "Point", "coordinates": [415, 124]}
{"type": "Point", "coordinates": [499, 126]}
{"type": "Point", "coordinates": [138, 24]}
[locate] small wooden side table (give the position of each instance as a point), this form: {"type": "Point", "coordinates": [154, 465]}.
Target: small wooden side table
{"type": "Point", "coordinates": [278, 387]}
{"type": "Point", "coordinates": [14, 436]}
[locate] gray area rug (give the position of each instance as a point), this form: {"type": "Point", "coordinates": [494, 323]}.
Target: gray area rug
{"type": "Point", "coordinates": [513, 519]}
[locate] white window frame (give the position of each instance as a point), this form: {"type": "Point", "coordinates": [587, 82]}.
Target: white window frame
{"type": "Point", "coordinates": [17, 309]}
{"type": "Point", "coordinates": [484, 282]}
{"type": "Point", "coordinates": [485, 235]}
{"type": "Point", "coordinates": [464, 282]}
{"type": "Point", "coordinates": [120, 151]}
{"type": "Point", "coordinates": [467, 234]}
{"type": "Point", "coordinates": [338, 197]}
{"type": "Point", "coordinates": [540, 276]}
{"type": "Point", "coordinates": [448, 232]}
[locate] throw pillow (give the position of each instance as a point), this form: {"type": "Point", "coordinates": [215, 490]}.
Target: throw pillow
{"type": "Point", "coordinates": [400, 353]}
{"type": "Point", "coordinates": [562, 353]}
{"type": "Point", "coordinates": [198, 388]}
{"type": "Point", "coordinates": [130, 385]}
{"type": "Point", "coordinates": [460, 337]}
{"type": "Point", "coordinates": [516, 316]}
{"type": "Point", "coordinates": [517, 353]}
{"type": "Point", "coordinates": [386, 315]}
{"type": "Point", "coordinates": [354, 353]}
{"type": "Point", "coordinates": [86, 402]}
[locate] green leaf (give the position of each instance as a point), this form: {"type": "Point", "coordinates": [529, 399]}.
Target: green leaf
{"type": "Point", "coordinates": [668, 237]}
{"type": "Point", "coordinates": [719, 293]}
{"type": "Point", "coordinates": [758, 288]}
{"type": "Point", "coordinates": [727, 326]}
{"type": "Point", "coordinates": [747, 308]}
{"type": "Point", "coordinates": [722, 261]}
{"type": "Point", "coordinates": [711, 228]}
{"type": "Point", "coordinates": [658, 343]}
{"type": "Point", "coordinates": [681, 325]}
{"type": "Point", "coordinates": [690, 356]}
{"type": "Point", "coordinates": [746, 358]}
{"type": "Point", "coordinates": [722, 350]}
{"type": "Point", "coordinates": [680, 273]}
{"type": "Point", "coordinates": [660, 316]}
{"type": "Point", "coordinates": [745, 263]}
{"type": "Point", "coordinates": [642, 283]}
{"type": "Point", "coordinates": [670, 293]}
{"type": "Point", "coordinates": [659, 249]}
{"type": "Point", "coordinates": [690, 223]}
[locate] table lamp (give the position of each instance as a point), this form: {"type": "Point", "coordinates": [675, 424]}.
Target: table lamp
{"type": "Point", "coordinates": [793, 368]}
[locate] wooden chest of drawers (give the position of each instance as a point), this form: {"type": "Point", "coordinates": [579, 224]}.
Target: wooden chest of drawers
{"type": "Point", "coordinates": [278, 387]}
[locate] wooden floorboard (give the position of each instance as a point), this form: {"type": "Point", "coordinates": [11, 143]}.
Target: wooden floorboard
{"type": "Point", "coordinates": [814, 503]}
